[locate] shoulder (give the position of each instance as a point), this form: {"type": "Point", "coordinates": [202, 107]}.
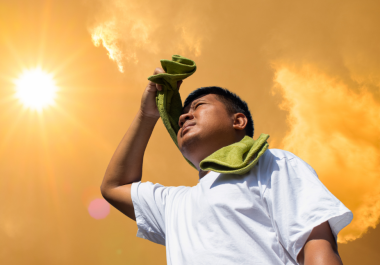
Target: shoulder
{"type": "Point", "coordinates": [281, 164]}
{"type": "Point", "coordinates": [279, 154]}
{"type": "Point", "coordinates": [272, 157]}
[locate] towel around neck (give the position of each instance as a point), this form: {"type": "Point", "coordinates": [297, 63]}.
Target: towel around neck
{"type": "Point", "coordinates": [237, 158]}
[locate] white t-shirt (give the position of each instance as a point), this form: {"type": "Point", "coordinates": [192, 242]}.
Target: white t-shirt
{"type": "Point", "coordinates": [262, 217]}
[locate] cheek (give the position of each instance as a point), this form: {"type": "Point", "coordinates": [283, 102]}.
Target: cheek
{"type": "Point", "coordinates": [215, 119]}
{"type": "Point", "coordinates": [209, 121]}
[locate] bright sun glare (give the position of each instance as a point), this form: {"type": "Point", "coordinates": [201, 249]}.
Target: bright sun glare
{"type": "Point", "coordinates": [36, 89]}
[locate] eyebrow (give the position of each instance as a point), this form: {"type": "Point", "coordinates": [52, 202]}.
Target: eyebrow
{"type": "Point", "coordinates": [195, 102]}
{"type": "Point", "coordinates": [192, 104]}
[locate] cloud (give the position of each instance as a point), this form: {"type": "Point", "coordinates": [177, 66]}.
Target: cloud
{"type": "Point", "coordinates": [326, 64]}
{"type": "Point", "coordinates": [128, 30]}
{"type": "Point", "coordinates": [105, 35]}
{"type": "Point", "coordinates": [337, 131]}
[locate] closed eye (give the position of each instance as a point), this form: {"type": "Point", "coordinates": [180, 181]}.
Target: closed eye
{"type": "Point", "coordinates": [196, 106]}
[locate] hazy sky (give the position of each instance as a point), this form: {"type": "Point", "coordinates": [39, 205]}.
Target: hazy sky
{"type": "Point", "coordinates": [309, 71]}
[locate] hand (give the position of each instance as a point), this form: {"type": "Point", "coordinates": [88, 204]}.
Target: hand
{"type": "Point", "coordinates": [148, 102]}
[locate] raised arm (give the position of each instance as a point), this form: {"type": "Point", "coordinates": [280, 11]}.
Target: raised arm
{"type": "Point", "coordinates": [125, 166]}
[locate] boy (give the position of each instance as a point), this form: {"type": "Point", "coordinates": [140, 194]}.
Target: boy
{"type": "Point", "coordinates": [277, 213]}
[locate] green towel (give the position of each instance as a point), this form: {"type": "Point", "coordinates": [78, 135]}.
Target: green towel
{"type": "Point", "coordinates": [168, 100]}
{"type": "Point", "coordinates": [237, 158]}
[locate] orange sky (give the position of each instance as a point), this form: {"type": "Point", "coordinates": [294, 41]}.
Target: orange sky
{"type": "Point", "coordinates": [308, 70]}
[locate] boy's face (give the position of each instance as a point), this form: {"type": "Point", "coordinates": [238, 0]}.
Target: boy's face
{"type": "Point", "coordinates": [205, 127]}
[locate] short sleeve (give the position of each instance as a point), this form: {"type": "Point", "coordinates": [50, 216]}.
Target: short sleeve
{"type": "Point", "coordinates": [297, 202]}
{"type": "Point", "coordinates": [149, 204]}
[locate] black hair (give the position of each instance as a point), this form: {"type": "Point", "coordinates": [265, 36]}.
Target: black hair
{"type": "Point", "coordinates": [233, 103]}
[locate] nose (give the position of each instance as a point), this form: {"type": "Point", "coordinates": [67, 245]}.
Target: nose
{"type": "Point", "coordinates": [184, 117]}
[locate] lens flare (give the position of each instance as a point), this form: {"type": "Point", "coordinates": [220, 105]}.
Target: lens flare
{"type": "Point", "coordinates": [36, 89]}
{"type": "Point", "coordinates": [99, 208]}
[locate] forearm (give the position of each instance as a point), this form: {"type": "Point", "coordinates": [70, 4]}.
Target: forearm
{"type": "Point", "coordinates": [125, 166]}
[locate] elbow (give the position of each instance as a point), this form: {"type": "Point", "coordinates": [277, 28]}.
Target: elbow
{"type": "Point", "coordinates": [107, 185]}
{"type": "Point", "coordinates": [104, 190]}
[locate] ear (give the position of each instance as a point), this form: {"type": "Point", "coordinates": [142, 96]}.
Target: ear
{"type": "Point", "coordinates": [240, 121]}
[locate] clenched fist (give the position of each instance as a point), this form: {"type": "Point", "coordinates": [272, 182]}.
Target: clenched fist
{"type": "Point", "coordinates": [148, 100]}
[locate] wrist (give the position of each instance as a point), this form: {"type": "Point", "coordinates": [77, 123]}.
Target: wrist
{"type": "Point", "coordinates": [146, 117]}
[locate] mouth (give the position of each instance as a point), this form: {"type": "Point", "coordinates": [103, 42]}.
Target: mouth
{"type": "Point", "coordinates": [186, 127]}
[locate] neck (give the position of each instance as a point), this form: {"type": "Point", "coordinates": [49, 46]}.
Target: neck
{"type": "Point", "coordinates": [202, 173]}
{"type": "Point", "coordinates": [196, 154]}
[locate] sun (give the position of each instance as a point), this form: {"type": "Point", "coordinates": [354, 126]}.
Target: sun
{"type": "Point", "coordinates": [36, 89]}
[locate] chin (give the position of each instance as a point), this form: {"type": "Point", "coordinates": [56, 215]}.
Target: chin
{"type": "Point", "coordinates": [189, 143]}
